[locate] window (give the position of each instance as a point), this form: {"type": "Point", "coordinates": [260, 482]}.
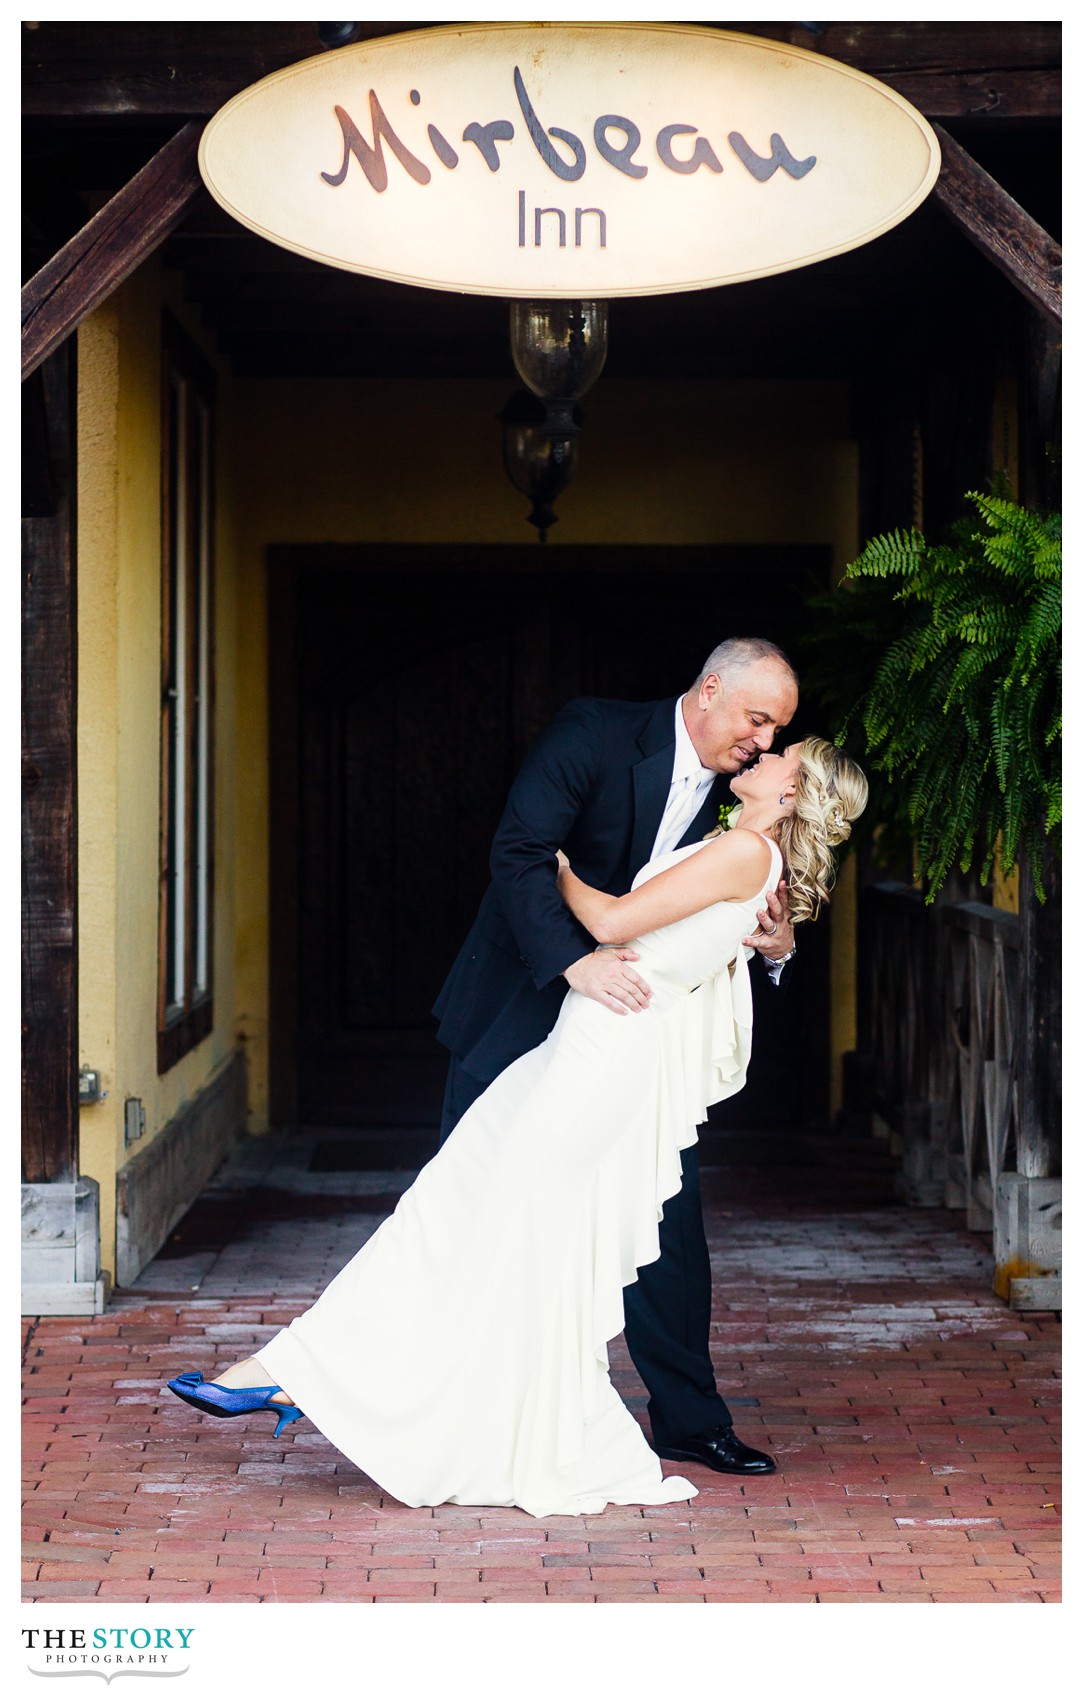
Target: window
{"type": "Point", "coordinates": [186, 887]}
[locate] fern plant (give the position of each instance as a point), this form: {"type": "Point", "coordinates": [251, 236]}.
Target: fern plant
{"type": "Point", "coordinates": [943, 661]}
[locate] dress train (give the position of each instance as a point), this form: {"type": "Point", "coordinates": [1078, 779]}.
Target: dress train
{"type": "Point", "coordinates": [461, 1355]}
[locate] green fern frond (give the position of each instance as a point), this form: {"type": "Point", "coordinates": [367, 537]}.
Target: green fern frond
{"type": "Point", "coordinates": [943, 661]}
{"type": "Point", "coordinates": [896, 552]}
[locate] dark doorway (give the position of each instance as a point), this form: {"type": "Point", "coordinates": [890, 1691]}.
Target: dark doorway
{"type": "Point", "coordinates": [409, 684]}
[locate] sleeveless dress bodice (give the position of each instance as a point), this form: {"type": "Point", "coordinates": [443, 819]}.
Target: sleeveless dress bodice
{"type": "Point", "coordinates": [691, 951]}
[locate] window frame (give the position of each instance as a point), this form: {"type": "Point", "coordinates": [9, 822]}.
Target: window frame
{"type": "Point", "coordinates": [186, 815]}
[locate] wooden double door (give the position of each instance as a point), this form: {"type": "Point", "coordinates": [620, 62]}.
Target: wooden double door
{"type": "Point", "coordinates": [408, 685]}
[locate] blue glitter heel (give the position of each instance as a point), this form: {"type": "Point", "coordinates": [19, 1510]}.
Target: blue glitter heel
{"type": "Point", "coordinates": [215, 1401]}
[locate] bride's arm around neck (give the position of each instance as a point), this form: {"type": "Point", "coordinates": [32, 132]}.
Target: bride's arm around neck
{"type": "Point", "coordinates": [728, 869]}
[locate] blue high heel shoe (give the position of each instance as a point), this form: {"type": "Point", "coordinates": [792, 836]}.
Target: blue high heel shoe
{"type": "Point", "coordinates": [217, 1401]}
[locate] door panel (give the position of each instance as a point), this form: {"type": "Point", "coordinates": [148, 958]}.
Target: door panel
{"type": "Point", "coordinates": [419, 690]}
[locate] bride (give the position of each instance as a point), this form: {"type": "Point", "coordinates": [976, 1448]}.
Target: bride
{"type": "Point", "coordinates": [461, 1355]}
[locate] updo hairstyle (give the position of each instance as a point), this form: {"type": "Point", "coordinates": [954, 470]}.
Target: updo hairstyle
{"type": "Point", "coordinates": [831, 792]}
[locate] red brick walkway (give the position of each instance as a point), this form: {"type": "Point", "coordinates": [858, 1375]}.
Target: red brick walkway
{"type": "Point", "coordinates": [913, 1417]}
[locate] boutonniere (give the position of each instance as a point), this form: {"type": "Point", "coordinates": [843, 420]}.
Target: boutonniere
{"type": "Point", "coordinates": [726, 814]}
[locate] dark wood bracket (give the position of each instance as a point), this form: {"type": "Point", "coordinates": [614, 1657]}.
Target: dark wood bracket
{"type": "Point", "coordinates": [110, 247]}
{"type": "Point", "coordinates": [997, 225]}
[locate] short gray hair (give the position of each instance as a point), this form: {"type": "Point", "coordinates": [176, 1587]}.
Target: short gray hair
{"type": "Point", "coordinates": [737, 655]}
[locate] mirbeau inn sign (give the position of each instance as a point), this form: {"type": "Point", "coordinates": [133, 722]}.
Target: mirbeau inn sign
{"type": "Point", "coordinates": [579, 160]}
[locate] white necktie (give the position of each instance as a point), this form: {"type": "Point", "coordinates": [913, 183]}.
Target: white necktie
{"type": "Point", "coordinates": [681, 805]}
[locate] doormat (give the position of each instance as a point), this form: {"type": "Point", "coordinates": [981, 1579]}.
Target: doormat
{"type": "Point", "coordinates": [373, 1151]}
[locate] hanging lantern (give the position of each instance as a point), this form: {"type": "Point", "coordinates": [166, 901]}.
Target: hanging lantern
{"type": "Point", "coordinates": [559, 349]}
{"type": "Point", "coordinates": [538, 465]}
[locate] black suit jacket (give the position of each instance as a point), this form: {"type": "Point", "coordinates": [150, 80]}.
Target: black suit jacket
{"type": "Point", "coordinates": [595, 785]}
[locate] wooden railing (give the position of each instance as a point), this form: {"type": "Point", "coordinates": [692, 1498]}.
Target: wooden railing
{"type": "Point", "coordinates": [944, 1020]}
{"type": "Point", "coordinates": [960, 1059]}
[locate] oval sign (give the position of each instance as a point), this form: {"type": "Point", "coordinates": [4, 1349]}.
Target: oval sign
{"type": "Point", "coordinates": [592, 160]}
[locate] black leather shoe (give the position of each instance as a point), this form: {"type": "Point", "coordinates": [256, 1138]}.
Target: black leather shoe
{"type": "Point", "coordinates": [720, 1449]}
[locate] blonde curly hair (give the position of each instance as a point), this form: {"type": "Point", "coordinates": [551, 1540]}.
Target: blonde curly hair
{"type": "Point", "coordinates": [831, 792]}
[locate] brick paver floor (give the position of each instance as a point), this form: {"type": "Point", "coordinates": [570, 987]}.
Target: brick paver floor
{"type": "Point", "coordinates": [913, 1416]}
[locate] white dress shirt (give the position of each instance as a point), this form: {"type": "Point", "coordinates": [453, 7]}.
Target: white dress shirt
{"type": "Point", "coordinates": [688, 786]}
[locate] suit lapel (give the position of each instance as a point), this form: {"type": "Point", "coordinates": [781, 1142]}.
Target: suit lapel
{"type": "Point", "coordinates": [651, 779]}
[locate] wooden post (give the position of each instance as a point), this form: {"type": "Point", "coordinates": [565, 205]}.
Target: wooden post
{"type": "Point", "coordinates": [1040, 414]}
{"type": "Point", "coordinates": [1038, 1140]}
{"type": "Point", "coordinates": [1038, 1136]}
{"type": "Point", "coordinates": [50, 1032]}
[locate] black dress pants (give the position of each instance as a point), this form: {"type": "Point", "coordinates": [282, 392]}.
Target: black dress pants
{"type": "Point", "coordinates": [667, 1311]}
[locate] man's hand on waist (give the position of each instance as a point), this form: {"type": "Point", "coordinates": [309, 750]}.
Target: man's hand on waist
{"type": "Point", "coordinates": [608, 978]}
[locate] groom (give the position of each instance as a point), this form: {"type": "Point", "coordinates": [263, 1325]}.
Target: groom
{"type": "Point", "coordinates": [613, 784]}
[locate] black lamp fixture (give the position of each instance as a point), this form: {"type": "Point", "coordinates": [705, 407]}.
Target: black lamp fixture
{"type": "Point", "coordinates": [337, 35]}
{"type": "Point", "coordinates": [559, 349]}
{"type": "Point", "coordinates": [536, 463]}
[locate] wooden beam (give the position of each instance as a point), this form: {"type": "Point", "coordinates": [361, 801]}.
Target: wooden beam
{"type": "Point", "coordinates": [173, 70]}
{"type": "Point", "coordinates": [50, 959]}
{"type": "Point", "coordinates": [108, 249]}
{"type": "Point", "coordinates": [1007, 235]}
{"type": "Point", "coordinates": [975, 71]}
{"type": "Point", "coordinates": [981, 72]}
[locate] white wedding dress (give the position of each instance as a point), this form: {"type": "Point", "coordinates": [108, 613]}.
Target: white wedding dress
{"type": "Point", "coordinates": [461, 1355]}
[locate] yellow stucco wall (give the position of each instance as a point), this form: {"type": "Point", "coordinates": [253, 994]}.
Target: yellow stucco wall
{"type": "Point", "coordinates": [1005, 888]}
{"type": "Point", "coordinates": [98, 452]}
{"type": "Point", "coordinates": [119, 562]}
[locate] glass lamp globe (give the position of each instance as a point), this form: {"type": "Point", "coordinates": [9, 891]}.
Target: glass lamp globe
{"type": "Point", "coordinates": [559, 349]}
